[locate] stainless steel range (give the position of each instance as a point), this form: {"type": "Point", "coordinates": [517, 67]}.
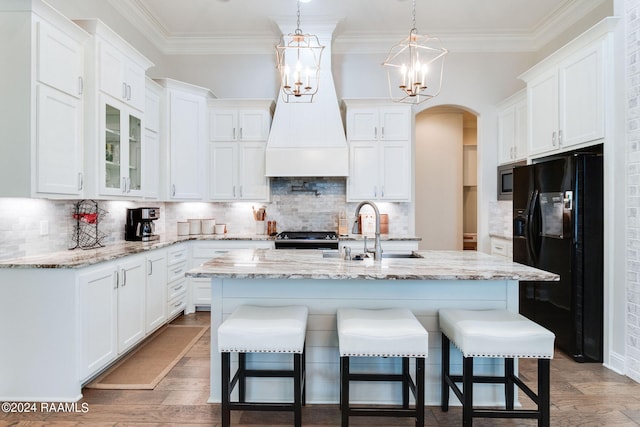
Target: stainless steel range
{"type": "Point", "coordinates": [307, 240]}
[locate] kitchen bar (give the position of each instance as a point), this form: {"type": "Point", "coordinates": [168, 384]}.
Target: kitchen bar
{"type": "Point", "coordinates": [423, 283]}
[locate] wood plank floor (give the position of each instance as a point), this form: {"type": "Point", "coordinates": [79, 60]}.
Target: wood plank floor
{"type": "Point", "coordinates": [581, 395]}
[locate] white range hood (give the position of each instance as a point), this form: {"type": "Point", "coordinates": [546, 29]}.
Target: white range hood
{"type": "Point", "coordinates": [308, 139]}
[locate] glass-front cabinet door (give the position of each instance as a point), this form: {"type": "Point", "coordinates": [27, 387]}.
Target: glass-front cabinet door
{"type": "Point", "coordinates": [121, 173]}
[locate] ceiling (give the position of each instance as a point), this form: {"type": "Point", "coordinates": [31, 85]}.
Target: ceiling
{"type": "Point", "coordinates": [251, 26]}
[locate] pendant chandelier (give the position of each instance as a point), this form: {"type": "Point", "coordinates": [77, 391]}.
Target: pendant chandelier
{"type": "Point", "coordinates": [415, 67]}
{"type": "Point", "coordinates": [298, 57]}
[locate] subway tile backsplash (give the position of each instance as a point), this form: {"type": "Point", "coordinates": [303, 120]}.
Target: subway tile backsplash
{"type": "Point", "coordinates": [294, 205]}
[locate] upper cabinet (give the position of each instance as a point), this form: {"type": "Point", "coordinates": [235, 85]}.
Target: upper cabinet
{"type": "Point", "coordinates": [238, 133]}
{"type": "Point", "coordinates": [42, 85]}
{"type": "Point", "coordinates": [114, 106]}
{"type": "Point", "coordinates": [379, 137]}
{"type": "Point", "coordinates": [151, 147]}
{"type": "Point", "coordinates": [183, 135]}
{"type": "Point", "coordinates": [512, 128]}
{"type": "Point", "coordinates": [566, 93]}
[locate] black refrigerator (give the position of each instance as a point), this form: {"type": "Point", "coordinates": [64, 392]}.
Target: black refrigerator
{"type": "Point", "coordinates": [557, 227]}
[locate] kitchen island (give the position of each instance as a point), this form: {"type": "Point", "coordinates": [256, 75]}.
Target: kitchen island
{"type": "Point", "coordinates": [324, 282]}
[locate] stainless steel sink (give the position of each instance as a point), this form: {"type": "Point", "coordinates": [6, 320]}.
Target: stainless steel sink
{"type": "Point", "coordinates": [336, 255]}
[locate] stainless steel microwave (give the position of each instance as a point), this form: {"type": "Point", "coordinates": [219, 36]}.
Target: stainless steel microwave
{"type": "Point", "coordinates": [505, 180]}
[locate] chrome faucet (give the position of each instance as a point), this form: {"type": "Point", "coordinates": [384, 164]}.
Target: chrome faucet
{"type": "Point", "coordinates": [377, 250]}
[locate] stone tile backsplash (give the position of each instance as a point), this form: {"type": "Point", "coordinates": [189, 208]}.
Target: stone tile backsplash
{"type": "Point", "coordinates": [21, 219]}
{"type": "Point", "coordinates": [500, 218]}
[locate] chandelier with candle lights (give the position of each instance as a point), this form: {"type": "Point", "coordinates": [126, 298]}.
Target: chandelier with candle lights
{"type": "Point", "coordinates": [415, 67]}
{"type": "Point", "coordinates": [298, 57]}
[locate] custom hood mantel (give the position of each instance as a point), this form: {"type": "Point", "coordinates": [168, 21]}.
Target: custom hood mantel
{"type": "Point", "coordinates": [308, 139]}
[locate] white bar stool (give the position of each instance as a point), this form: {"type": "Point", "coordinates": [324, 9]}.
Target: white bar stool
{"type": "Point", "coordinates": [382, 333]}
{"type": "Point", "coordinates": [255, 329]}
{"type": "Point", "coordinates": [495, 334]}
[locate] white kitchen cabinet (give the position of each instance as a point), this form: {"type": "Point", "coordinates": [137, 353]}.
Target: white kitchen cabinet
{"type": "Point", "coordinates": [122, 142]}
{"type": "Point", "coordinates": [512, 128]}
{"type": "Point", "coordinates": [97, 312]}
{"type": "Point", "coordinates": [203, 251]}
{"type": "Point", "coordinates": [238, 133]}
{"type": "Point", "coordinates": [502, 247]}
{"type": "Point", "coordinates": [388, 122]}
{"type": "Point", "coordinates": [183, 135]}
{"type": "Point", "coordinates": [151, 147]}
{"type": "Point", "coordinates": [156, 290]}
{"type": "Point", "coordinates": [41, 152]}
{"type": "Point", "coordinates": [111, 307]}
{"type": "Point", "coordinates": [119, 67]}
{"type": "Point", "coordinates": [379, 137]}
{"type": "Point", "coordinates": [237, 124]}
{"type": "Point", "coordinates": [114, 119]}
{"type": "Point", "coordinates": [566, 94]}
{"type": "Point", "coordinates": [131, 302]}
{"type": "Point", "coordinates": [177, 284]}
{"type": "Point", "coordinates": [237, 171]}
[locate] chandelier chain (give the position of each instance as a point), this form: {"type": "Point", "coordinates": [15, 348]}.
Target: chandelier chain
{"type": "Point", "coordinates": [414, 28]}
{"type": "Point", "coordinates": [298, 30]}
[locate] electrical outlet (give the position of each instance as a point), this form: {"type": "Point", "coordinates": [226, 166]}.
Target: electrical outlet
{"type": "Point", "coordinates": [44, 227]}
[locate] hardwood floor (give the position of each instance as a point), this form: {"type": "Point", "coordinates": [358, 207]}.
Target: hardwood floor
{"type": "Point", "coordinates": [581, 395]}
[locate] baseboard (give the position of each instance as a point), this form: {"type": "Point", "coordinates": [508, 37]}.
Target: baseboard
{"type": "Point", "coordinates": [616, 363]}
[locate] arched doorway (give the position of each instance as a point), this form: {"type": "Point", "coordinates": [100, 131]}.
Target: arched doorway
{"type": "Point", "coordinates": [446, 178]}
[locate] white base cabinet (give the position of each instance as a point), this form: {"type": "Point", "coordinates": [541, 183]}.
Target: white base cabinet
{"type": "Point", "coordinates": [156, 291]}
{"type": "Point", "coordinates": [203, 251]}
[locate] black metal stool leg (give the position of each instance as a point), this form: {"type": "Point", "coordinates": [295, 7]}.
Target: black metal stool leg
{"type": "Point", "coordinates": [297, 389]}
{"type": "Point", "coordinates": [344, 390]}
{"type": "Point", "coordinates": [445, 371]}
{"type": "Point", "coordinates": [405, 382]}
{"type": "Point", "coordinates": [226, 411]}
{"type": "Point", "coordinates": [242, 378]}
{"type": "Point", "coordinates": [304, 374]}
{"type": "Point", "coordinates": [544, 396]}
{"type": "Point", "coordinates": [420, 391]}
{"type": "Point", "coordinates": [509, 384]}
{"type": "Point", "coordinates": [467, 391]}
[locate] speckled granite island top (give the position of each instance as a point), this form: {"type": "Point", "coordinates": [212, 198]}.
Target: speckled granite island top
{"type": "Point", "coordinates": [431, 265]}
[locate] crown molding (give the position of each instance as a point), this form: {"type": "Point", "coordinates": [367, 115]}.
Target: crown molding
{"type": "Point", "coordinates": [557, 22]}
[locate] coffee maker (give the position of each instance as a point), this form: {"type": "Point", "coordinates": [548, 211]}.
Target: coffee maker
{"type": "Point", "coordinates": [140, 226]}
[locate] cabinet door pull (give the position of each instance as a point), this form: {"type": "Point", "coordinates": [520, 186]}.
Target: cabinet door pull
{"type": "Point", "coordinates": [382, 132]}
{"type": "Point", "coordinates": [375, 132]}
{"type": "Point", "coordinates": [241, 191]}
{"type": "Point", "coordinates": [173, 190]}
{"type": "Point", "coordinates": [124, 277]}
{"type": "Point", "coordinates": [150, 268]}
{"type": "Point", "coordinates": [234, 191]}
{"type": "Point", "coordinates": [553, 138]}
{"type": "Point", "coordinates": [124, 184]}
{"type": "Point", "coordinates": [234, 133]}
{"type": "Point", "coordinates": [80, 85]}
{"type": "Point", "coordinates": [382, 191]}
{"type": "Point", "coordinates": [80, 181]}
{"type": "Point", "coordinates": [128, 92]}
{"type": "Point", "coordinates": [116, 279]}
{"type": "Point", "coordinates": [240, 134]}
{"type": "Point", "coordinates": [124, 90]}
{"type": "Point", "coordinates": [375, 191]}
{"type": "Point", "coordinates": [560, 138]}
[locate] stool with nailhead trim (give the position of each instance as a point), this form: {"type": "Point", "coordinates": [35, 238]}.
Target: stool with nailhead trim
{"type": "Point", "coordinates": [495, 334]}
{"type": "Point", "coordinates": [382, 333]}
{"type": "Point", "coordinates": [257, 329]}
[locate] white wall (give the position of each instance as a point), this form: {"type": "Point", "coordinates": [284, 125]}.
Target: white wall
{"type": "Point", "coordinates": [438, 170]}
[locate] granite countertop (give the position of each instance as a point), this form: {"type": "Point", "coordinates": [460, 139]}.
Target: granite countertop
{"type": "Point", "coordinates": [383, 237]}
{"type": "Point", "coordinates": [433, 265]}
{"type": "Point", "coordinates": [79, 258]}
